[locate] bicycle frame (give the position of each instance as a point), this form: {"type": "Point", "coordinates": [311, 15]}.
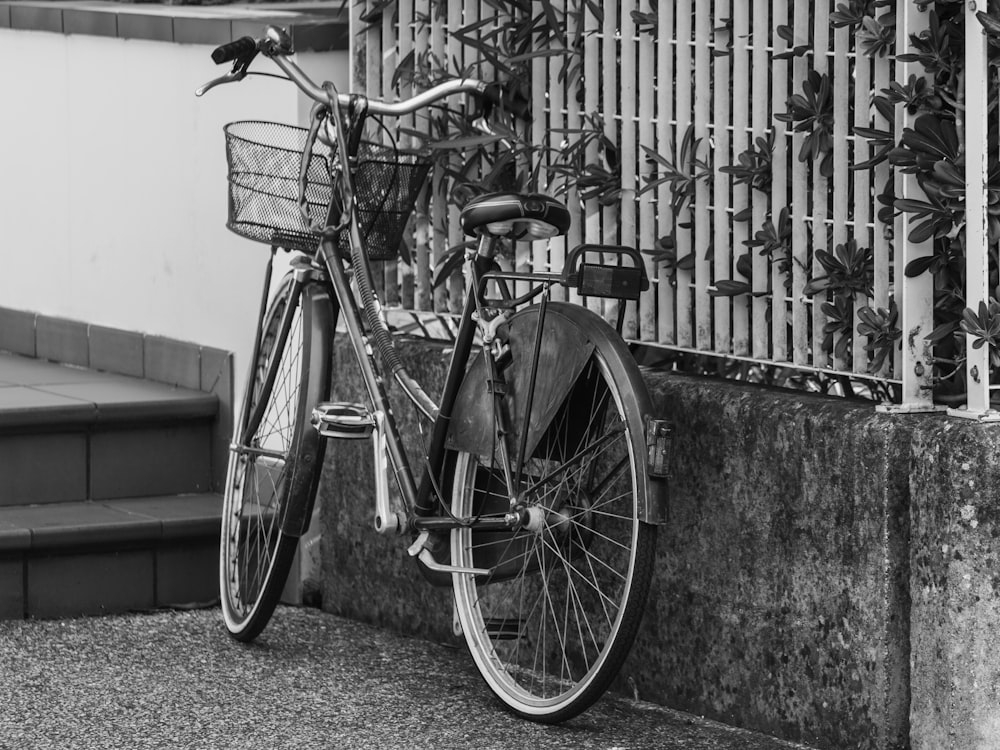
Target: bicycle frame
{"type": "Point", "coordinates": [419, 500]}
{"type": "Point", "coordinates": [419, 509]}
{"type": "Point", "coordinates": [416, 499]}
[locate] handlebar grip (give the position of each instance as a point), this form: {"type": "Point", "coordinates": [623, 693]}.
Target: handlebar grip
{"type": "Point", "coordinates": [510, 99]}
{"type": "Point", "coordinates": [233, 50]}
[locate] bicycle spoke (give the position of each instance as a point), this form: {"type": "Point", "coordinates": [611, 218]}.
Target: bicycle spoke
{"type": "Point", "coordinates": [590, 582]}
{"type": "Point", "coordinates": [574, 460]}
{"type": "Point", "coordinates": [551, 620]}
{"type": "Point", "coordinates": [561, 635]}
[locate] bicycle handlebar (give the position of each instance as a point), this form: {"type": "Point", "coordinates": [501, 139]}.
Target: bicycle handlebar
{"type": "Point", "coordinates": [231, 51]}
{"type": "Point", "coordinates": [377, 106]}
{"type": "Point", "coordinates": [276, 45]}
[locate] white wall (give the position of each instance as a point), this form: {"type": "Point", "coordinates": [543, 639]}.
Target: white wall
{"type": "Point", "coordinates": [113, 184]}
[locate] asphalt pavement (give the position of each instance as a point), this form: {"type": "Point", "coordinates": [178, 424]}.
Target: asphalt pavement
{"type": "Point", "coordinates": [174, 679]}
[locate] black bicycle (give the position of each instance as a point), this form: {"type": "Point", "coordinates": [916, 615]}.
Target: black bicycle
{"type": "Point", "coordinates": [542, 482]}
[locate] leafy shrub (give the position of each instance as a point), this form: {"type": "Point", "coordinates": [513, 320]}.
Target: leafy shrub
{"type": "Point", "coordinates": [932, 150]}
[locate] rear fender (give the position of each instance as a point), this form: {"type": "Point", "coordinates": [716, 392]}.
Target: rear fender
{"type": "Point", "coordinates": [571, 333]}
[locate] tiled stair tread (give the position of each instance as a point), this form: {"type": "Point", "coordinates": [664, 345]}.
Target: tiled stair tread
{"type": "Point", "coordinates": [77, 524]}
{"type": "Point", "coordinates": [18, 370]}
{"type": "Point", "coordinates": [179, 515]}
{"type": "Point", "coordinates": [34, 392]}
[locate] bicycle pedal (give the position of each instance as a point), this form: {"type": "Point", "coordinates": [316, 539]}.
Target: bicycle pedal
{"type": "Point", "coordinates": [344, 420]}
{"type": "Point", "coordinates": [503, 628]}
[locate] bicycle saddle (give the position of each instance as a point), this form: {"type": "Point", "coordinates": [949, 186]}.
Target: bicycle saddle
{"type": "Point", "coordinates": [520, 216]}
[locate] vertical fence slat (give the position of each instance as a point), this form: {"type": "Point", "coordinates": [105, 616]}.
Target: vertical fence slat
{"type": "Point", "coordinates": [820, 185]}
{"type": "Point", "coordinates": [880, 236]}
{"type": "Point", "coordinates": [374, 67]}
{"type": "Point", "coordinates": [742, 135]}
{"type": "Point", "coordinates": [682, 109]}
{"type": "Point", "coordinates": [977, 364]}
{"type": "Point", "coordinates": [592, 101]}
{"type": "Point", "coordinates": [541, 114]}
{"type": "Point", "coordinates": [439, 203]}
{"type": "Point", "coordinates": [423, 290]}
{"type": "Point", "coordinates": [523, 251]}
{"type": "Point", "coordinates": [546, 103]}
{"type": "Point", "coordinates": [390, 269]}
{"type": "Point", "coordinates": [841, 146]}
{"type": "Point", "coordinates": [646, 96]}
{"type": "Point", "coordinates": [779, 177]}
{"type": "Point", "coordinates": [666, 318]}
{"type": "Point", "coordinates": [801, 344]}
{"type": "Point", "coordinates": [916, 310]}
{"type": "Point", "coordinates": [760, 115]}
{"type": "Point", "coordinates": [454, 54]}
{"type": "Point", "coordinates": [575, 235]}
{"type": "Point", "coordinates": [702, 216]}
{"type": "Point", "coordinates": [861, 205]}
{"type": "Point", "coordinates": [719, 155]}
{"type": "Point", "coordinates": [404, 45]}
{"type": "Point", "coordinates": [613, 127]}
{"type": "Point", "coordinates": [628, 218]}
{"type": "Point", "coordinates": [356, 72]}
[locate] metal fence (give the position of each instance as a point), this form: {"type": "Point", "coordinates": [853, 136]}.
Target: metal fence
{"type": "Point", "coordinates": [691, 91]}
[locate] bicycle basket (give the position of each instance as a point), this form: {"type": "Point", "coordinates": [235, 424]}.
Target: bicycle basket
{"type": "Point", "coordinates": [264, 162]}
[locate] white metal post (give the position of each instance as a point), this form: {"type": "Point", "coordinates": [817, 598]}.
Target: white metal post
{"type": "Point", "coordinates": [977, 363]}
{"type": "Point", "coordinates": [914, 296]}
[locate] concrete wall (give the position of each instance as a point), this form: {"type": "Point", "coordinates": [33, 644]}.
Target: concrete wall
{"type": "Point", "coordinates": [113, 198]}
{"type": "Point", "coordinates": [781, 585]}
{"type": "Point", "coordinates": [955, 586]}
{"type": "Point", "coordinates": [828, 575]}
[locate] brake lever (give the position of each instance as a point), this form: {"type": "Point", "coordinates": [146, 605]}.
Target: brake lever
{"type": "Point", "coordinates": [238, 73]}
{"type": "Point", "coordinates": [231, 77]}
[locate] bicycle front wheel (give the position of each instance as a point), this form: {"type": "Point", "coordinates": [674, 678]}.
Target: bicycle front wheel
{"type": "Point", "coordinates": [276, 456]}
{"type": "Point", "coordinates": [551, 624]}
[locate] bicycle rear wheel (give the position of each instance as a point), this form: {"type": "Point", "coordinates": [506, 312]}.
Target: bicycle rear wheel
{"type": "Point", "coordinates": [550, 626]}
{"type": "Point", "coordinates": [276, 456]}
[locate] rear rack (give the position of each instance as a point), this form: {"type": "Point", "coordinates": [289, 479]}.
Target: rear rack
{"type": "Point", "coordinates": [611, 280]}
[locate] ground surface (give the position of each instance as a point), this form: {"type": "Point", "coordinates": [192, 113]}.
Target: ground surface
{"type": "Point", "coordinates": [175, 679]}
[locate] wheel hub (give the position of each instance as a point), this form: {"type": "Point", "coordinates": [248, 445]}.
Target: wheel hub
{"type": "Point", "coordinates": [536, 519]}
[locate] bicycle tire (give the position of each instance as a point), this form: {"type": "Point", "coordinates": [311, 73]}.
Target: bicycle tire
{"type": "Point", "coordinates": [274, 475]}
{"type": "Point", "coordinates": [544, 641]}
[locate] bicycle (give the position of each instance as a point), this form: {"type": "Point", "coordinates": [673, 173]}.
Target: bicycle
{"type": "Point", "coordinates": [544, 476]}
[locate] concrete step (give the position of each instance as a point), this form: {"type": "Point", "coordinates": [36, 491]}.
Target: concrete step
{"type": "Point", "coordinates": [107, 497]}
{"type": "Point", "coordinates": [69, 433]}
{"type": "Point", "coordinates": [88, 558]}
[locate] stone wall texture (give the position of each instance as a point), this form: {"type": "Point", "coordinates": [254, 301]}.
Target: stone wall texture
{"type": "Point", "coordinates": [780, 598]}
{"type": "Point", "coordinates": [955, 586]}
{"type": "Point", "coordinates": [828, 572]}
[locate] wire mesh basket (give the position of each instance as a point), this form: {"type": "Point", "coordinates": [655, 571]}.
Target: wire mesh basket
{"type": "Point", "coordinates": [264, 163]}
